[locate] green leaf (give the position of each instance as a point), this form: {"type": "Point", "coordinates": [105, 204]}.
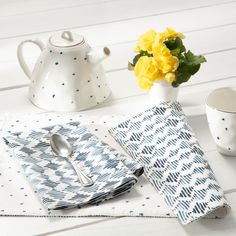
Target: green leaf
{"type": "Point", "coordinates": [189, 65]}
{"type": "Point", "coordinates": [135, 60]}
{"type": "Point", "coordinates": [175, 84]}
{"type": "Point", "coordinates": [185, 71]}
{"type": "Point", "coordinates": [175, 52]}
{"type": "Point", "coordinates": [193, 59]}
{"type": "Point", "coordinates": [175, 46]}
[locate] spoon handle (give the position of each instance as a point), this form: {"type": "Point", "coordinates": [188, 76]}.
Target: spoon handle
{"type": "Point", "coordinates": [83, 178]}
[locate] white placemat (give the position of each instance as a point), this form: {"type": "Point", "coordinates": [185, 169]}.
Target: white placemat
{"type": "Point", "coordinates": [18, 198]}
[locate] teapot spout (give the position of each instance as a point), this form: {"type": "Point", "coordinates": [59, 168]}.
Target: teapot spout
{"type": "Point", "coordinates": [95, 57]}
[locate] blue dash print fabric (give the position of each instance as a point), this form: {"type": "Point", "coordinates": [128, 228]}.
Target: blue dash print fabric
{"type": "Point", "coordinates": [161, 140]}
{"type": "Point", "coordinates": [54, 179]}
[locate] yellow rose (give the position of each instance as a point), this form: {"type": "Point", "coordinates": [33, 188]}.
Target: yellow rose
{"type": "Point", "coordinates": [145, 83]}
{"type": "Point", "coordinates": [145, 41]}
{"type": "Point", "coordinates": [146, 71]}
{"type": "Point", "coordinates": [169, 33]}
{"type": "Point", "coordinates": [170, 77]}
{"type": "Point", "coordinates": [165, 61]}
{"type": "Point", "coordinates": [146, 66]}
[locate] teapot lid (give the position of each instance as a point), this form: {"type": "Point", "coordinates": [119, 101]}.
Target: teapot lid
{"type": "Point", "coordinates": [66, 39]}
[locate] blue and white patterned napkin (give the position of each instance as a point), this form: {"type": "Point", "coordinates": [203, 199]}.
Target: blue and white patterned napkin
{"type": "Point", "coordinates": [54, 179]}
{"type": "Point", "coordinates": [161, 140]}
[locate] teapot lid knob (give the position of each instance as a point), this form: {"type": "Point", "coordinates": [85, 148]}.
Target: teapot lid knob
{"type": "Point", "coordinates": [66, 39]}
{"type": "Point", "coordinates": [67, 35]}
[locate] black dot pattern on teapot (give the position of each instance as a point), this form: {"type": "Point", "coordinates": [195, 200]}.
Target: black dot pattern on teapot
{"type": "Point", "coordinates": [94, 80]}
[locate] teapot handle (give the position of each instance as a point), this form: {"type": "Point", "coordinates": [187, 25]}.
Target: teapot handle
{"type": "Point", "coordinates": [20, 56]}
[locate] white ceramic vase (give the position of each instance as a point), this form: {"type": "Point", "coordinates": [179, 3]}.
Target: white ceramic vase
{"type": "Point", "coordinates": [162, 91]}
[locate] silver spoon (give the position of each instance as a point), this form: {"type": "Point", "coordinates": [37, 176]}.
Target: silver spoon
{"type": "Point", "coordinates": [62, 147]}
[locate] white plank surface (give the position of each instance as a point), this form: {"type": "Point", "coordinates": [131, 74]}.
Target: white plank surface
{"type": "Point", "coordinates": [210, 27]}
{"type": "Point", "coordinates": [113, 33]}
{"type": "Point", "coordinates": [19, 7]}
{"type": "Point", "coordinates": [106, 12]}
{"type": "Point", "coordinates": [127, 30]}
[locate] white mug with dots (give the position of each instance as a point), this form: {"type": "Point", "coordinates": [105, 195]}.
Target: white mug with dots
{"type": "Point", "coordinates": [221, 116]}
{"type": "Point", "coordinates": [68, 75]}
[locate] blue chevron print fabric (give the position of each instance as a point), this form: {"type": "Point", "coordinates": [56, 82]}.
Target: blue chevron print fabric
{"type": "Point", "coordinates": [54, 179]}
{"type": "Point", "coordinates": [161, 140]}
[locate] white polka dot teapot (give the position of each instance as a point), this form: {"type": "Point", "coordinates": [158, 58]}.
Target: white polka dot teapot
{"type": "Point", "coordinates": [68, 75]}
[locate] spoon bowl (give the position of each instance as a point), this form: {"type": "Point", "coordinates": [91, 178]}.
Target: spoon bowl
{"type": "Point", "coordinates": [61, 147]}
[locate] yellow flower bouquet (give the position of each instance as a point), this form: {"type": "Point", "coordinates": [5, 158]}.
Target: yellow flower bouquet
{"type": "Point", "coordinates": [162, 56]}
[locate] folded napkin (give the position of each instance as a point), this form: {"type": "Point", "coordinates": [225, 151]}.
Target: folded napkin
{"type": "Point", "coordinates": [161, 140]}
{"type": "Point", "coordinates": [54, 179]}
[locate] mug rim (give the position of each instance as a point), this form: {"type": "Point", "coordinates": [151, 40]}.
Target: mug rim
{"type": "Point", "coordinates": [215, 108]}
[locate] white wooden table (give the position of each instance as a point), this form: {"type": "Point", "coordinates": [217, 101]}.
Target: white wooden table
{"type": "Point", "coordinates": [210, 29]}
